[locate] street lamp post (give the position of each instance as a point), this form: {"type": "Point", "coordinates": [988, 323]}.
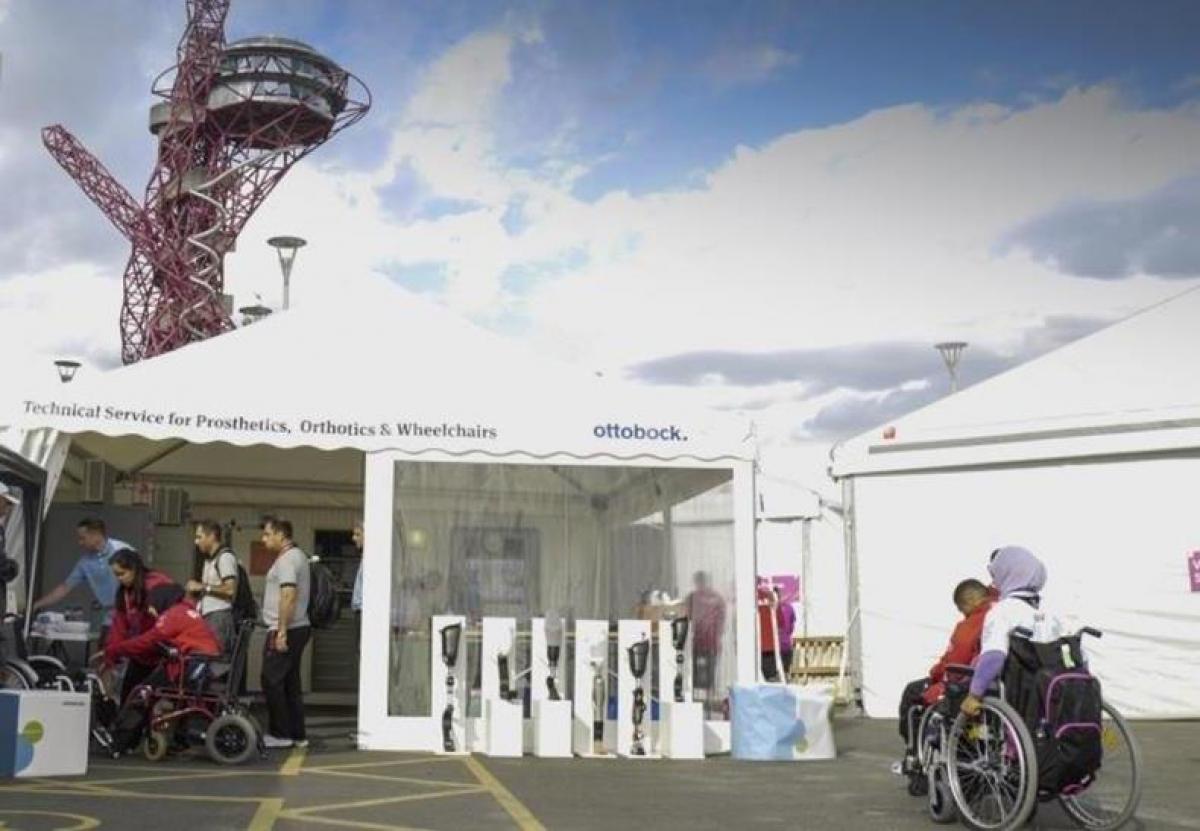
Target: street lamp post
{"type": "Point", "coordinates": [951, 351]}
{"type": "Point", "coordinates": [286, 247]}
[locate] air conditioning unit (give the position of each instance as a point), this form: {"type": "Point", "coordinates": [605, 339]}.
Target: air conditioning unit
{"type": "Point", "coordinates": [98, 480]}
{"type": "Point", "coordinates": [169, 506]}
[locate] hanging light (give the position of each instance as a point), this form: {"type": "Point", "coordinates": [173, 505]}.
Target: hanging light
{"type": "Point", "coordinates": [66, 369]}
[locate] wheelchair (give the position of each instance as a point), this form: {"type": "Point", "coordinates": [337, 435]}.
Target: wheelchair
{"type": "Point", "coordinates": [203, 708]}
{"type": "Point", "coordinates": [22, 670]}
{"type": "Point", "coordinates": [988, 771]}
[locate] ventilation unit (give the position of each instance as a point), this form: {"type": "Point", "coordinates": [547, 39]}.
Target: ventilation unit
{"type": "Point", "coordinates": [98, 480]}
{"type": "Point", "coordinates": [169, 506]}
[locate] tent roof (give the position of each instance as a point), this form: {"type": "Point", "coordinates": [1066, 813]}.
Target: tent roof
{"type": "Point", "coordinates": [380, 368]}
{"type": "Point", "coordinates": [1131, 387]}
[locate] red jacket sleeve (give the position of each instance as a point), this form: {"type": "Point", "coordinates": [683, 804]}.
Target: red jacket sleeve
{"type": "Point", "coordinates": [964, 644]}
{"type": "Point", "coordinates": [119, 630]}
{"type": "Point", "coordinates": [144, 648]}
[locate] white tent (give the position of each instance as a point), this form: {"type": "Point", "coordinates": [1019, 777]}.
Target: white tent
{"type": "Point", "coordinates": [1090, 457]}
{"type": "Point", "coordinates": [438, 432]}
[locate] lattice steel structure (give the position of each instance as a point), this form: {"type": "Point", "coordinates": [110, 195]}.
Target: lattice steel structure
{"type": "Point", "coordinates": [232, 119]}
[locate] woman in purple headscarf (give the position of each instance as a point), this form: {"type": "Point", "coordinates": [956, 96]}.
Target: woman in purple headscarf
{"type": "Point", "coordinates": [1018, 577]}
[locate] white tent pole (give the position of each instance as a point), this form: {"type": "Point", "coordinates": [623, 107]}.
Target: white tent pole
{"type": "Point", "coordinates": [852, 645]}
{"type": "Point", "coordinates": [745, 568]}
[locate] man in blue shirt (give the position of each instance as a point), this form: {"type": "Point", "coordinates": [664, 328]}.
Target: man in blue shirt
{"type": "Point", "coordinates": [92, 568]}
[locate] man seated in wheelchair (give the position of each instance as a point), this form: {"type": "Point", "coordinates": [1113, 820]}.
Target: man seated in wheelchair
{"type": "Point", "coordinates": [973, 600]}
{"type": "Point", "coordinates": [1039, 663]}
{"type": "Point", "coordinates": [183, 645]}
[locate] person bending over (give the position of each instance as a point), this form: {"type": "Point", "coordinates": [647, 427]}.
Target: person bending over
{"type": "Point", "coordinates": [178, 625]}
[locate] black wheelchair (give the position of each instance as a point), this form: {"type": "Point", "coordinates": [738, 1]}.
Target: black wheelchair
{"type": "Point", "coordinates": [991, 771]}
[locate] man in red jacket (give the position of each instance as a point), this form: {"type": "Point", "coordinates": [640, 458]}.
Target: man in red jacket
{"type": "Point", "coordinates": [178, 625]}
{"type": "Point", "coordinates": [973, 600]}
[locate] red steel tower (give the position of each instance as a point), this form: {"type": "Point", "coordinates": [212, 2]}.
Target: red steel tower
{"type": "Point", "coordinates": [232, 119]}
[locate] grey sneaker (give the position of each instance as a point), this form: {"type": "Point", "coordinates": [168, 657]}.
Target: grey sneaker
{"type": "Point", "coordinates": [274, 742]}
{"type": "Point", "coordinates": [300, 743]}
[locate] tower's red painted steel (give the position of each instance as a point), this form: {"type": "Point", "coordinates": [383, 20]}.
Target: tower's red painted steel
{"type": "Point", "coordinates": [230, 122]}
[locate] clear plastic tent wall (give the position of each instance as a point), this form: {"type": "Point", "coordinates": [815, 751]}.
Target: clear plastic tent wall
{"type": "Point", "coordinates": [591, 542]}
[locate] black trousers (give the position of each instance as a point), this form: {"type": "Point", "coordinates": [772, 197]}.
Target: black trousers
{"type": "Point", "coordinates": [281, 685]}
{"type": "Point", "coordinates": [911, 697]}
{"type": "Point", "coordinates": [130, 724]}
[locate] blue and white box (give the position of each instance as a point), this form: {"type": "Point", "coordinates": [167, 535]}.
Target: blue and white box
{"type": "Point", "coordinates": [43, 733]}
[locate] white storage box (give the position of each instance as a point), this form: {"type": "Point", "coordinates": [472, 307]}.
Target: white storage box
{"type": "Point", "coordinates": [43, 733]}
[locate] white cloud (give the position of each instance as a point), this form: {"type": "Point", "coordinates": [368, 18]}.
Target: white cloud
{"type": "Point", "coordinates": [879, 229]}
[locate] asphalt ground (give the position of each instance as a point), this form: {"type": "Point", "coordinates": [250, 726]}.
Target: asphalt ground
{"type": "Point", "coordinates": [331, 785]}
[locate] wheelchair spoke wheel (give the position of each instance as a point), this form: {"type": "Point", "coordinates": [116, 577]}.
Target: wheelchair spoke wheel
{"type": "Point", "coordinates": [12, 678]}
{"type": "Point", "coordinates": [231, 739]}
{"type": "Point", "coordinates": [992, 768]}
{"type": "Point", "coordinates": [1112, 798]}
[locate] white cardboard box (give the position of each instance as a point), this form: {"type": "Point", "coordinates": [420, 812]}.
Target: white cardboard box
{"type": "Point", "coordinates": [43, 733]}
{"type": "Point", "coordinates": [552, 728]}
{"type": "Point", "coordinates": [504, 727]}
{"type": "Point", "coordinates": [681, 730]}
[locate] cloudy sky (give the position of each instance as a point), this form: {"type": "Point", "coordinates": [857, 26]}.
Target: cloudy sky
{"type": "Point", "coordinates": [771, 207]}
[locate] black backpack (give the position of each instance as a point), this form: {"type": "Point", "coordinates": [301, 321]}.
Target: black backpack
{"type": "Point", "coordinates": [324, 603]}
{"type": "Point", "coordinates": [1060, 701]}
{"type": "Point", "coordinates": [244, 606]}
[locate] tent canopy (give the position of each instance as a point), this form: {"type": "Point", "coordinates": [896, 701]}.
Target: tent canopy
{"type": "Point", "coordinates": [389, 370]}
{"type": "Point", "coordinates": [1131, 387]}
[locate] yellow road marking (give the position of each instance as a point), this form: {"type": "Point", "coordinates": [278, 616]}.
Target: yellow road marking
{"type": "Point", "coordinates": [349, 823]}
{"type": "Point", "coordinates": [379, 777]}
{"type": "Point", "coordinates": [524, 818]}
{"type": "Point", "coordinates": [264, 818]}
{"type": "Point", "coordinates": [294, 761]}
{"type": "Point", "coordinates": [166, 777]}
{"type": "Point", "coordinates": [422, 761]}
{"type": "Point", "coordinates": [83, 822]}
{"type": "Point", "coordinates": [115, 794]}
{"type": "Point", "coordinates": [372, 803]}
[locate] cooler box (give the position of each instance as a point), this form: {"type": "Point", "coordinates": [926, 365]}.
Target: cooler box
{"type": "Point", "coordinates": [774, 722]}
{"type": "Point", "coordinates": [43, 733]}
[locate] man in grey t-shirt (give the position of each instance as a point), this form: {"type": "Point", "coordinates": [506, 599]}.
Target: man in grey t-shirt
{"type": "Point", "coordinates": [285, 613]}
{"type": "Point", "coordinates": [218, 583]}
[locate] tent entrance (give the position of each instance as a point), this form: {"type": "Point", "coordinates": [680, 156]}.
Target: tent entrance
{"type": "Point", "coordinates": [154, 490]}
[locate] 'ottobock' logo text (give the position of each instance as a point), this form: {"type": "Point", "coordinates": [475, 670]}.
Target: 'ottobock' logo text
{"type": "Point", "coordinates": [637, 431]}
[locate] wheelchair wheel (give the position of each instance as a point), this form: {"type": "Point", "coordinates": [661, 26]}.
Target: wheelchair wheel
{"type": "Point", "coordinates": [941, 800]}
{"type": "Point", "coordinates": [231, 739]}
{"type": "Point", "coordinates": [155, 746]}
{"type": "Point", "coordinates": [14, 677]}
{"type": "Point", "coordinates": [1111, 800]}
{"type": "Point", "coordinates": [992, 768]}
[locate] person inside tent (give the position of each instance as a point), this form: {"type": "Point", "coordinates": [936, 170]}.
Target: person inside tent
{"type": "Point", "coordinates": [131, 612]}
{"type": "Point", "coordinates": [178, 625]}
{"type": "Point", "coordinates": [1019, 577]}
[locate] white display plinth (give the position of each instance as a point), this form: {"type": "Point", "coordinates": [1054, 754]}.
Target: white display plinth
{"type": "Point", "coordinates": [591, 666]}
{"type": "Point", "coordinates": [504, 725]}
{"type": "Point", "coordinates": [667, 666]}
{"type": "Point", "coordinates": [630, 632]}
{"type": "Point", "coordinates": [437, 688]}
{"type": "Point", "coordinates": [552, 728]}
{"type": "Point", "coordinates": [43, 733]}
{"type": "Point", "coordinates": [502, 717]}
{"type": "Point", "coordinates": [681, 729]}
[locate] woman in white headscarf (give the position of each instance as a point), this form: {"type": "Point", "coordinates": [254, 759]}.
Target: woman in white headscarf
{"type": "Point", "coordinates": [1019, 578]}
